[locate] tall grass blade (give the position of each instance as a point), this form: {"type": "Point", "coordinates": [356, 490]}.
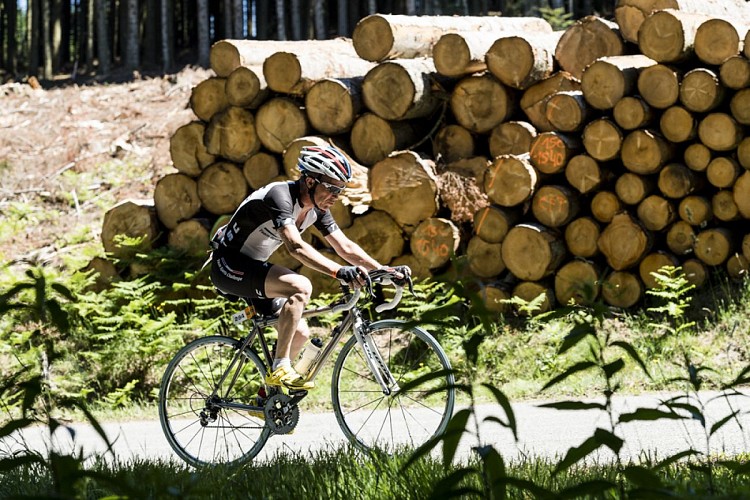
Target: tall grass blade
{"type": "Point", "coordinates": [633, 355]}
{"type": "Point", "coordinates": [504, 402]}
{"type": "Point", "coordinates": [454, 431]}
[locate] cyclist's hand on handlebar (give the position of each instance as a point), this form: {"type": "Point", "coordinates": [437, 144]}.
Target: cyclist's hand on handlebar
{"type": "Point", "coordinates": [401, 275]}
{"type": "Point", "coordinates": [353, 275]}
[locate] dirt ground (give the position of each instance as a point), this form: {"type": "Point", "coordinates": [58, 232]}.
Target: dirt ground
{"type": "Point", "coordinates": [68, 153]}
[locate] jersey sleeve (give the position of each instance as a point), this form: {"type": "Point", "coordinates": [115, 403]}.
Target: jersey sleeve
{"type": "Point", "coordinates": [279, 203]}
{"type": "Point", "coordinates": [325, 222]}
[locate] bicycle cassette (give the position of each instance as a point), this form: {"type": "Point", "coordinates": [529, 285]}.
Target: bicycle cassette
{"type": "Point", "coordinates": [282, 414]}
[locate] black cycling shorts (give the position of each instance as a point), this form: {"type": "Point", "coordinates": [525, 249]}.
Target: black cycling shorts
{"type": "Point", "coordinates": [237, 274]}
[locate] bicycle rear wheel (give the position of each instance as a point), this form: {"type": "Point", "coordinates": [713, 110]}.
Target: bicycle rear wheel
{"type": "Point", "coordinates": [367, 416]}
{"type": "Point", "coordinates": [196, 415]}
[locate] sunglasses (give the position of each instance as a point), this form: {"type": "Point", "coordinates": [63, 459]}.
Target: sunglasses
{"type": "Point", "coordinates": [332, 188]}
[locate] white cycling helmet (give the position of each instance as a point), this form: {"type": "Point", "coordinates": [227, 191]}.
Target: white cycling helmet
{"type": "Point", "coordinates": [324, 160]}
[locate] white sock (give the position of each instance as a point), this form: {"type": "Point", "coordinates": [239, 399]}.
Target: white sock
{"type": "Point", "coordinates": [277, 362]}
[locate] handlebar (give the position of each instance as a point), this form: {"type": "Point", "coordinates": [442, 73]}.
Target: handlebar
{"type": "Point", "coordinates": [377, 276]}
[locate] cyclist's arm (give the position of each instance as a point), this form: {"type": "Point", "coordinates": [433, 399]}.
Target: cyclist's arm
{"type": "Point", "coordinates": [350, 251]}
{"type": "Point", "coordinates": [305, 253]}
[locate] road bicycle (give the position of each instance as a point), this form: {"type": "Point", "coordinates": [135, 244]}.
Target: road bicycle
{"type": "Point", "coordinates": [215, 407]}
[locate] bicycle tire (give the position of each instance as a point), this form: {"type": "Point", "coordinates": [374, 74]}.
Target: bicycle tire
{"type": "Point", "coordinates": [369, 418]}
{"type": "Point", "coordinates": [233, 436]}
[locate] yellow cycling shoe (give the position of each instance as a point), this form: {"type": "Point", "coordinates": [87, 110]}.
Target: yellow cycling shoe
{"type": "Point", "coordinates": [285, 376]}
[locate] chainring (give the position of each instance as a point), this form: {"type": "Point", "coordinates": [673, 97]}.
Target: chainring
{"type": "Point", "coordinates": [282, 414]}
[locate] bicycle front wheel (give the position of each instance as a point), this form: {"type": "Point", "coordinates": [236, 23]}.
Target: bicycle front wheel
{"type": "Point", "coordinates": [199, 416]}
{"type": "Point", "coordinates": [368, 417]}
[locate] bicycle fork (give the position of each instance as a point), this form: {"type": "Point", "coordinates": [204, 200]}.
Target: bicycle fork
{"type": "Point", "coordinates": [375, 361]}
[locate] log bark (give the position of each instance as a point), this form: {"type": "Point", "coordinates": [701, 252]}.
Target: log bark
{"type": "Point", "coordinates": [734, 73]}
{"type": "Point", "coordinates": [740, 106]}
{"type": "Point", "coordinates": [555, 206]}
{"type": "Point", "coordinates": [668, 36]}
{"type": "Point", "coordinates": [221, 188]}
{"type": "Point", "coordinates": [511, 138]}
{"type": "Point", "coordinates": [233, 134]}
{"type": "Point", "coordinates": [645, 152]}
{"type": "Point", "coordinates": [632, 112]}
{"type": "Point", "coordinates": [374, 138]}
{"type": "Point", "coordinates": [527, 291]}
{"type": "Point", "coordinates": [720, 132]}
{"type": "Point", "coordinates": [622, 289]}
{"type": "Point", "coordinates": [278, 122]}
{"type": "Point", "coordinates": [724, 206]}
{"type": "Point", "coordinates": [246, 87]}
{"type": "Point", "coordinates": [176, 199]}
{"type": "Point", "coordinates": [659, 86]}
{"type": "Point", "coordinates": [719, 39]}
{"type": "Point", "coordinates": [492, 223]}
{"type": "Point", "coordinates": [260, 169]}
{"type": "Point", "coordinates": [381, 36]}
{"type": "Point", "coordinates": [656, 213]}
{"type": "Point", "coordinates": [585, 41]}
{"type": "Point", "coordinates": [378, 235]}
{"type": "Point", "coordinates": [294, 72]}
{"type": "Point", "coordinates": [485, 259]}
{"type": "Point", "coordinates": [577, 282]}
{"type": "Point", "coordinates": [567, 111]}
{"type": "Point", "coordinates": [189, 237]}
{"type": "Point", "coordinates": [677, 181]}
{"type": "Point", "coordinates": [332, 104]}
{"type": "Point", "coordinates": [511, 180]}
{"type": "Point", "coordinates": [609, 79]}
{"type": "Point", "coordinates": [405, 186]}
{"type": "Point", "coordinates": [677, 124]}
{"type": "Point", "coordinates": [551, 151]}
{"type": "Point", "coordinates": [520, 61]}
{"type": "Point", "coordinates": [697, 157]}
{"type": "Point", "coordinates": [453, 142]}
{"type": "Point", "coordinates": [653, 263]}
{"type": "Point", "coordinates": [400, 89]}
{"type": "Point", "coordinates": [531, 251]}
{"type": "Point", "coordinates": [469, 103]}
{"type": "Point", "coordinates": [713, 246]}
{"type": "Point", "coordinates": [741, 194]}
{"type": "Point", "coordinates": [624, 242]}
{"type": "Point", "coordinates": [633, 188]}
{"type": "Point", "coordinates": [534, 98]}
{"type": "Point", "coordinates": [602, 139]}
{"type": "Point", "coordinates": [605, 205]}
{"type": "Point", "coordinates": [695, 272]}
{"type": "Point", "coordinates": [680, 238]}
{"type": "Point", "coordinates": [701, 90]}
{"type": "Point", "coordinates": [581, 236]}
{"type": "Point", "coordinates": [434, 241]}
{"type": "Point", "coordinates": [208, 98]}
{"type": "Point", "coordinates": [584, 174]}
{"type": "Point", "coordinates": [695, 210]}
{"type": "Point", "coordinates": [133, 219]}
{"type": "Point", "coordinates": [723, 171]}
{"type": "Point", "coordinates": [188, 151]}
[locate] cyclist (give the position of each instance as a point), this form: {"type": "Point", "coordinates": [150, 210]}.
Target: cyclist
{"type": "Point", "coordinates": [277, 214]}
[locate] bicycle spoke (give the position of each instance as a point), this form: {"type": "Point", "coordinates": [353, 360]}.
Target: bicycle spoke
{"type": "Point", "coordinates": [368, 417]}
{"type": "Point", "coordinates": [367, 404]}
{"type": "Point", "coordinates": [420, 403]}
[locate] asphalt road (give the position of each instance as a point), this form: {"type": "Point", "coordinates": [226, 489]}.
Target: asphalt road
{"type": "Point", "coordinates": [542, 432]}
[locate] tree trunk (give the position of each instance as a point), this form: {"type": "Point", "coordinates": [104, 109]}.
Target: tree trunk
{"type": "Point", "coordinates": [511, 180]}
{"type": "Point", "coordinates": [622, 289]}
{"type": "Point", "coordinates": [134, 219]}
{"type": "Point", "coordinates": [584, 174]}
{"type": "Point", "coordinates": [581, 236]}
{"type": "Point", "coordinates": [260, 169]}
{"type": "Point", "coordinates": [527, 291]}
{"type": "Point", "coordinates": [131, 58]}
{"type": "Point", "coordinates": [469, 103]}
{"type": "Point", "coordinates": [166, 40]}
{"type": "Point", "coordinates": [333, 104]}
{"type": "Point", "coordinates": [725, 207]}
{"type": "Point", "coordinates": [453, 142]}
{"type": "Point", "coordinates": [585, 41]}
{"type": "Point", "coordinates": [723, 171]}
{"type": "Point", "coordinates": [567, 111]}
{"type": "Point", "coordinates": [492, 223]}
{"type": "Point", "coordinates": [246, 88]}
{"type": "Point", "coordinates": [520, 61]}
{"type": "Point", "coordinates": [609, 79]}
{"type": "Point", "coordinates": [221, 188]}
{"type": "Point", "coordinates": [695, 210]}
{"type": "Point", "coordinates": [713, 246]}
{"type": "Point", "coordinates": [746, 246]}
{"type": "Point", "coordinates": [188, 151]}
{"type": "Point", "coordinates": [697, 157]}
{"type": "Point", "coordinates": [461, 54]}
{"type": "Point", "coordinates": [280, 20]}
{"type": "Point", "coordinates": [633, 188]}
{"type": "Point", "coordinates": [511, 138]}
{"type": "Point", "coordinates": [577, 282]}
{"type": "Point", "coordinates": [291, 154]}
{"type": "Point", "coordinates": [734, 73]}
{"type": "Point", "coordinates": [624, 242]}
{"type": "Point", "coordinates": [400, 90]}
{"type": "Point", "coordinates": [632, 112]}
{"type": "Point", "coordinates": [737, 267]}
{"type": "Point", "coordinates": [741, 193]}
{"type": "Point", "coordinates": [668, 36]}
{"type": "Point", "coordinates": [34, 20]}
{"type": "Point", "coordinates": [551, 151]}
{"type": "Point", "coordinates": [605, 205]}
{"type": "Point", "coordinates": [485, 259]}
{"type": "Point", "coordinates": [382, 36]}
{"type": "Point", "coordinates": [695, 272]}
{"type": "Point", "coordinates": [232, 134]}
{"type": "Point", "coordinates": [680, 238]}
{"type": "Point", "coordinates": [278, 122]}
{"type": "Point", "coordinates": [495, 299]}
{"type": "Point", "coordinates": [719, 39]}
{"type": "Point", "coordinates": [740, 106]}
{"type": "Point", "coordinates": [374, 138]}
{"type": "Point", "coordinates": [535, 97]}
{"type": "Point", "coordinates": [189, 237]}
{"type": "Point", "coordinates": [645, 152]}
{"type": "Point", "coordinates": [677, 124]}
{"type": "Point", "coordinates": [378, 235]}
{"type": "Point", "coordinates": [531, 251]}
{"type": "Point", "coordinates": [659, 86]}
{"type": "Point", "coordinates": [555, 206]}
{"type": "Point", "coordinates": [720, 132]}
{"type": "Point", "coordinates": [701, 90]}
{"type": "Point", "coordinates": [204, 43]}
{"type": "Point", "coordinates": [656, 212]}
{"type": "Point", "coordinates": [295, 73]}
{"type": "Point", "coordinates": [208, 98]}
{"type": "Point", "coordinates": [677, 181]}
{"type": "Point", "coordinates": [176, 199]}
{"type": "Point", "coordinates": [434, 242]}
{"type": "Point", "coordinates": [405, 186]}
{"type": "Point", "coordinates": [653, 263]}
{"type": "Point", "coordinates": [47, 39]}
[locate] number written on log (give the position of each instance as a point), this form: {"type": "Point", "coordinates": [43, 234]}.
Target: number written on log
{"type": "Point", "coordinates": [548, 152]}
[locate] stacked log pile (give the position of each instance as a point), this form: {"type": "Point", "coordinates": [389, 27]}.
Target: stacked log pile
{"type": "Point", "coordinates": [571, 164]}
